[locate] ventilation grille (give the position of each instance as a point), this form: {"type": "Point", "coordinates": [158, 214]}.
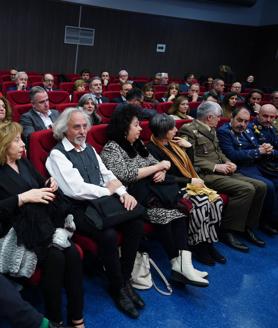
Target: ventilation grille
{"type": "Point", "coordinates": [79, 35]}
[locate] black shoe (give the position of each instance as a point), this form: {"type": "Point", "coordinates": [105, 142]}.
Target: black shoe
{"type": "Point", "coordinates": [136, 299]}
{"type": "Point", "coordinates": [201, 253]}
{"type": "Point", "coordinates": [250, 236]}
{"type": "Point", "coordinates": [229, 239]}
{"type": "Point", "coordinates": [52, 324]}
{"type": "Point", "coordinates": [216, 255]}
{"type": "Point", "coordinates": [124, 303]}
{"type": "Point", "coordinates": [267, 229]}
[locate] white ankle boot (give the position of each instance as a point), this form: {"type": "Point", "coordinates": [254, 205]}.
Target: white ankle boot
{"type": "Point", "coordinates": [184, 272]}
{"type": "Point", "coordinates": [202, 274]}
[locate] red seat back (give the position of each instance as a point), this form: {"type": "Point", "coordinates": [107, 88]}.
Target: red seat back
{"type": "Point", "coordinates": [6, 85]}
{"type": "Point", "coordinates": [111, 94]}
{"type": "Point", "coordinates": [18, 110]}
{"type": "Point", "coordinates": [77, 95]}
{"type": "Point", "coordinates": [18, 97]}
{"type": "Point", "coordinates": [66, 86]}
{"type": "Point", "coordinates": [63, 106]}
{"type": "Point", "coordinates": [97, 136]}
{"type": "Point", "coordinates": [163, 107]}
{"type": "Point", "coordinates": [106, 110]}
{"type": "Point", "coordinates": [58, 97]}
{"type": "Point", "coordinates": [159, 94]}
{"type": "Point", "coordinates": [160, 88]}
{"type": "Point", "coordinates": [114, 87]}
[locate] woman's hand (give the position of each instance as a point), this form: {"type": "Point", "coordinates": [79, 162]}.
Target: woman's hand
{"type": "Point", "coordinates": [159, 176]}
{"type": "Point", "coordinates": [163, 165]}
{"type": "Point", "coordinates": [128, 201]}
{"type": "Point", "coordinates": [51, 183]}
{"type": "Point", "coordinates": [182, 142]}
{"type": "Point", "coordinates": [197, 182]}
{"type": "Point", "coordinates": [43, 195]}
{"type": "Point", "coordinates": [171, 98]}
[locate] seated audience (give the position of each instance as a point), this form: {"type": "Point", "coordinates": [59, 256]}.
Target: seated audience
{"type": "Point", "coordinates": [172, 92]}
{"type": "Point", "coordinates": [236, 87]}
{"type": "Point", "coordinates": [218, 87]}
{"type": "Point", "coordinates": [128, 158]}
{"type": "Point", "coordinates": [161, 79]}
{"type": "Point", "coordinates": [205, 216]}
{"type": "Point", "coordinates": [125, 87]}
{"type": "Point", "coordinates": [242, 213]}
{"type": "Point", "coordinates": [5, 110]}
{"type": "Point", "coordinates": [83, 177]}
{"type": "Point", "coordinates": [135, 97]}
{"type": "Point", "coordinates": [79, 86]}
{"type": "Point", "coordinates": [188, 80]}
{"type": "Point", "coordinates": [36, 229]}
{"type": "Point", "coordinates": [180, 108]}
{"type": "Point", "coordinates": [95, 88]}
{"type": "Point", "coordinates": [253, 100]}
{"type": "Point", "coordinates": [21, 80]}
{"type": "Point", "coordinates": [229, 104]}
{"type": "Point", "coordinates": [239, 144]}
{"type": "Point", "coordinates": [193, 93]}
{"type": "Point", "coordinates": [89, 106]}
{"type": "Point", "coordinates": [13, 72]}
{"type": "Point", "coordinates": [48, 82]}
{"type": "Point", "coordinates": [105, 78]}
{"type": "Point", "coordinates": [123, 76]}
{"type": "Point", "coordinates": [148, 92]}
{"type": "Point", "coordinates": [40, 117]}
{"type": "Point", "coordinates": [85, 75]}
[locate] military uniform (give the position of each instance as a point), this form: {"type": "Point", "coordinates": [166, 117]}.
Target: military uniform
{"type": "Point", "coordinates": [243, 149]}
{"type": "Point", "coordinates": [245, 194]}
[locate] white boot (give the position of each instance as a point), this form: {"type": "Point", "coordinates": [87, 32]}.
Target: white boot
{"type": "Point", "coordinates": [202, 274]}
{"type": "Point", "coordinates": [184, 272]}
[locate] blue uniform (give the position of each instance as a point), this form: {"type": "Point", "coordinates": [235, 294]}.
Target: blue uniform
{"type": "Point", "coordinates": [243, 149]}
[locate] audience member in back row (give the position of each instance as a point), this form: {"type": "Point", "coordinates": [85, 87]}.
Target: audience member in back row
{"type": "Point", "coordinates": [246, 195]}
{"type": "Point", "coordinates": [95, 88]}
{"type": "Point", "coordinates": [229, 104]}
{"type": "Point", "coordinates": [172, 92]}
{"type": "Point", "coordinates": [135, 97]}
{"type": "Point", "coordinates": [125, 87]}
{"type": "Point", "coordinates": [123, 76]}
{"type": "Point", "coordinates": [128, 158]}
{"type": "Point", "coordinates": [13, 72]}
{"type": "Point", "coordinates": [205, 216]}
{"type": "Point", "coordinates": [274, 101]}
{"type": "Point", "coordinates": [161, 79]}
{"type": "Point", "coordinates": [89, 106]}
{"type": "Point", "coordinates": [188, 80]}
{"type": "Point", "coordinates": [193, 93]}
{"type": "Point", "coordinates": [180, 108]}
{"type": "Point", "coordinates": [236, 87]}
{"type": "Point", "coordinates": [253, 100]}
{"type": "Point", "coordinates": [40, 117]}
{"type": "Point", "coordinates": [48, 82]}
{"type": "Point", "coordinates": [82, 176]}
{"type": "Point", "coordinates": [79, 86]}
{"type": "Point", "coordinates": [5, 110]}
{"type": "Point", "coordinates": [105, 78]}
{"type": "Point", "coordinates": [253, 160]}
{"type": "Point", "coordinates": [148, 92]}
{"type": "Point", "coordinates": [21, 80]}
{"type": "Point", "coordinates": [85, 75]}
{"type": "Point", "coordinates": [36, 229]}
{"type": "Point", "coordinates": [218, 86]}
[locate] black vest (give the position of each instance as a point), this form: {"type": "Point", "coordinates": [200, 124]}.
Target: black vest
{"type": "Point", "coordinates": [85, 162]}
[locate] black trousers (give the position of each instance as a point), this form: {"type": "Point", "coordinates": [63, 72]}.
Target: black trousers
{"type": "Point", "coordinates": [63, 269]}
{"type": "Point", "coordinates": [173, 236]}
{"type": "Point", "coordinates": [15, 309]}
{"type": "Point", "coordinates": [118, 271]}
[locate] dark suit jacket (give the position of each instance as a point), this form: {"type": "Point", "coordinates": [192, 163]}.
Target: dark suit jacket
{"type": "Point", "coordinates": [118, 100]}
{"type": "Point", "coordinates": [32, 122]}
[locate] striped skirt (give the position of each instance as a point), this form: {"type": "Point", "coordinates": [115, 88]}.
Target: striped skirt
{"type": "Point", "coordinates": [204, 220]}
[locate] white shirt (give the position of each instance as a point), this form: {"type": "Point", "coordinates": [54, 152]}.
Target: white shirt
{"type": "Point", "coordinates": [45, 118]}
{"type": "Point", "coordinates": [70, 180]}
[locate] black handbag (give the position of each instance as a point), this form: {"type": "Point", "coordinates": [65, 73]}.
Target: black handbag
{"type": "Point", "coordinates": [108, 211]}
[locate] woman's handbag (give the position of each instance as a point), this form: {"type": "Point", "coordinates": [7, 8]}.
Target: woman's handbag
{"type": "Point", "coordinates": [141, 277]}
{"type": "Point", "coordinates": [108, 211]}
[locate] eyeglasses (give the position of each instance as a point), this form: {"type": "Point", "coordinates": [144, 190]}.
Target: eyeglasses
{"type": "Point", "coordinates": [48, 80]}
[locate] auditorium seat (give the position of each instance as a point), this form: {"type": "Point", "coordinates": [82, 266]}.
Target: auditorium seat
{"type": "Point", "coordinates": [163, 107]}
{"type": "Point", "coordinates": [114, 87]}
{"type": "Point", "coordinates": [159, 94]}
{"type": "Point", "coordinates": [111, 94]}
{"type": "Point", "coordinates": [18, 97]}
{"type": "Point", "coordinates": [159, 88]}
{"type": "Point", "coordinates": [106, 110]}
{"type": "Point", "coordinates": [6, 85]}
{"type": "Point", "coordinates": [18, 110]}
{"type": "Point", "coordinates": [34, 78]}
{"type": "Point", "coordinates": [67, 86]}
{"type": "Point", "coordinates": [63, 106]}
{"type": "Point", "coordinates": [77, 95]}
{"type": "Point", "coordinates": [58, 97]}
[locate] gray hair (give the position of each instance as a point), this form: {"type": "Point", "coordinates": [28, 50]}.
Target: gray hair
{"type": "Point", "coordinates": [85, 98]}
{"type": "Point", "coordinates": [20, 73]}
{"type": "Point", "coordinates": [160, 124]}
{"type": "Point", "coordinates": [123, 71]}
{"type": "Point", "coordinates": [34, 91]}
{"type": "Point", "coordinates": [60, 126]}
{"type": "Point", "coordinates": [207, 108]}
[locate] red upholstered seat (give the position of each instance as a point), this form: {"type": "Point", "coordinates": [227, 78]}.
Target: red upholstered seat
{"type": "Point", "coordinates": [194, 104]}
{"type": "Point", "coordinates": [6, 85]}
{"type": "Point", "coordinates": [35, 78]}
{"type": "Point", "coordinates": [58, 97]}
{"type": "Point", "coordinates": [159, 94]}
{"type": "Point", "coordinates": [63, 106]}
{"type": "Point", "coordinates": [163, 107]}
{"type": "Point", "coordinates": [111, 94]}
{"type": "Point", "coordinates": [160, 88]}
{"type": "Point", "coordinates": [18, 97]}
{"type": "Point", "coordinates": [114, 87]}
{"type": "Point", "coordinates": [97, 136]}
{"type": "Point", "coordinates": [106, 110]}
{"type": "Point", "coordinates": [77, 95]}
{"type": "Point", "coordinates": [66, 86]}
{"type": "Point", "coordinates": [18, 110]}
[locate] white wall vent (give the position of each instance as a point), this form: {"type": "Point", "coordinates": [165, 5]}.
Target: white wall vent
{"type": "Point", "coordinates": [79, 35]}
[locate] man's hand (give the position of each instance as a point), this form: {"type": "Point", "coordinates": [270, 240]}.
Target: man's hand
{"type": "Point", "coordinates": [128, 201]}
{"type": "Point", "coordinates": [113, 185]}
{"type": "Point", "coordinates": [182, 142]}
{"type": "Point", "coordinates": [223, 168]}
{"type": "Point", "coordinates": [232, 166]}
